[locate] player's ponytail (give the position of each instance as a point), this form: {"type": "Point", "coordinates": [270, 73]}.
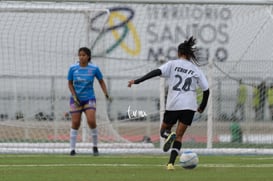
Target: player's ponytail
{"type": "Point", "coordinates": [186, 48]}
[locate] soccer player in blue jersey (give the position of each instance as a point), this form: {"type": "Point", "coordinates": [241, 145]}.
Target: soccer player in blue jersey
{"type": "Point", "coordinates": [80, 78]}
{"type": "Point", "coordinates": [183, 77]}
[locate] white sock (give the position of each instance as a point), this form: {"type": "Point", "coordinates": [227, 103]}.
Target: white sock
{"type": "Point", "coordinates": [94, 135]}
{"type": "Point", "coordinates": [73, 138]}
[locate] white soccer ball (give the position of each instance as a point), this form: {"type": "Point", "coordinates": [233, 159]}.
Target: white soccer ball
{"type": "Point", "coordinates": [189, 160]}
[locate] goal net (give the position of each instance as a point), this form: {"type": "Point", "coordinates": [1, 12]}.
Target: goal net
{"type": "Point", "coordinates": [39, 41]}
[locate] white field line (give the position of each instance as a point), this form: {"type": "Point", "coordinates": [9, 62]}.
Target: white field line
{"type": "Point", "coordinates": [139, 165]}
{"type": "Point", "coordinates": [258, 158]}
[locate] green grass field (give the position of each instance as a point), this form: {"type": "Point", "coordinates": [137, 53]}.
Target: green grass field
{"type": "Point", "coordinates": [132, 168]}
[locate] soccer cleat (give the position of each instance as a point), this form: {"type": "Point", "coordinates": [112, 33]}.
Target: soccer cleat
{"type": "Point", "coordinates": [72, 153]}
{"type": "Point", "coordinates": [169, 141]}
{"type": "Point", "coordinates": [170, 167]}
{"type": "Point", "coordinates": [95, 151]}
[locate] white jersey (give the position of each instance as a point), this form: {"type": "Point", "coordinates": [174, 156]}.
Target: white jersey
{"type": "Point", "coordinates": [183, 79]}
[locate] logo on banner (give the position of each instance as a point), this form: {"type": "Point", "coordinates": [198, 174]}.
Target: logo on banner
{"type": "Point", "coordinates": [124, 16]}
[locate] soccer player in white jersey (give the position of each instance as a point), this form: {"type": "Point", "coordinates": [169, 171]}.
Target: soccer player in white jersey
{"type": "Point", "coordinates": [184, 77]}
{"type": "Point", "coordinates": [81, 77]}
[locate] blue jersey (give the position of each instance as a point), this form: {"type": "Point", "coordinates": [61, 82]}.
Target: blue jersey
{"type": "Point", "coordinates": [83, 80]}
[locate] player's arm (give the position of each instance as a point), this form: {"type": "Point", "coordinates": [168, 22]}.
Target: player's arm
{"type": "Point", "coordinates": [70, 80]}
{"type": "Point", "coordinates": [73, 92]}
{"type": "Point", "coordinates": [99, 77]}
{"type": "Point", "coordinates": [204, 101]}
{"type": "Point", "coordinates": [71, 87]}
{"type": "Point", "coordinates": [153, 73]}
{"type": "Point", "coordinates": [104, 88]}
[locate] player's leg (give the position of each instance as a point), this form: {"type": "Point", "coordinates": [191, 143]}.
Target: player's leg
{"type": "Point", "coordinates": [76, 121]}
{"type": "Point", "coordinates": [185, 119]}
{"type": "Point", "coordinates": [165, 130]}
{"type": "Point", "coordinates": [91, 120]}
{"type": "Point", "coordinates": [75, 112]}
{"type": "Point", "coordinates": [234, 114]}
{"type": "Point", "coordinates": [271, 112]}
{"type": "Point", "coordinates": [90, 112]}
{"type": "Point", "coordinates": [243, 112]}
{"type": "Point", "coordinates": [177, 144]}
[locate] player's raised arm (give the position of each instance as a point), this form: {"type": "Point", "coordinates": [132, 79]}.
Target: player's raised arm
{"type": "Point", "coordinates": [153, 73]}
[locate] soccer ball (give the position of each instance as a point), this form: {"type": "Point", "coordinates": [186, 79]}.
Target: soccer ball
{"type": "Point", "coordinates": [188, 160]}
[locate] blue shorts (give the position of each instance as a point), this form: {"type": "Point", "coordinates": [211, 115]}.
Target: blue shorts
{"type": "Point", "coordinates": [85, 105]}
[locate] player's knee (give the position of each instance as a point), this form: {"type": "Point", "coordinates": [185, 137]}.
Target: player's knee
{"type": "Point", "coordinates": [162, 133]}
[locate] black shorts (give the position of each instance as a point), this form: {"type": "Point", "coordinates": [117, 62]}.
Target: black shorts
{"type": "Point", "coordinates": [184, 116]}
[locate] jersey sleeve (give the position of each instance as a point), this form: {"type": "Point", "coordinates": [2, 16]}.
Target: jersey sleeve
{"type": "Point", "coordinates": [165, 69]}
{"type": "Point", "coordinates": [98, 74]}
